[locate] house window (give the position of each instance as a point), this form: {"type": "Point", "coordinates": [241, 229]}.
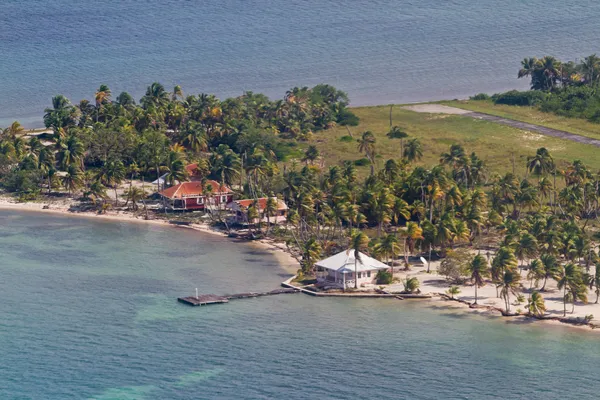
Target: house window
{"type": "Point", "coordinates": [368, 274]}
{"type": "Point", "coordinates": [200, 200]}
{"type": "Point", "coordinates": [359, 275]}
{"type": "Point", "coordinates": [223, 199]}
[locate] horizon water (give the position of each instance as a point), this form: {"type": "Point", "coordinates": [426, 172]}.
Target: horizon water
{"type": "Point", "coordinates": [379, 51]}
{"type": "Point", "coordinates": [88, 311]}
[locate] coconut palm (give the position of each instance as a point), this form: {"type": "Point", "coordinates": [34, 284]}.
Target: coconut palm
{"type": "Point", "coordinates": [134, 195]}
{"type": "Point", "coordinates": [536, 272]}
{"type": "Point", "coordinates": [359, 241]}
{"type": "Point", "coordinates": [550, 267]}
{"type": "Point", "coordinates": [536, 305]}
{"type": "Point", "coordinates": [397, 133]}
{"type": "Point", "coordinates": [541, 164]}
{"type": "Point", "coordinates": [112, 173]}
{"type": "Point", "coordinates": [366, 144]}
{"type": "Point", "coordinates": [413, 151]}
{"type": "Point", "coordinates": [311, 253]}
{"type": "Point", "coordinates": [96, 191]}
{"type": "Point", "coordinates": [225, 164]}
{"type": "Point", "coordinates": [71, 152]}
{"type": "Point", "coordinates": [526, 247]}
{"type": "Point", "coordinates": [509, 284]}
{"type": "Point", "coordinates": [570, 281]}
{"type": "Point", "coordinates": [479, 270]}
{"type": "Point", "coordinates": [388, 246]}
{"type": "Point", "coordinates": [73, 179]}
{"type": "Point", "coordinates": [453, 291]}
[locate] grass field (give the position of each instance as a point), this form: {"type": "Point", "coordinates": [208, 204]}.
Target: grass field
{"type": "Point", "coordinates": [530, 114]}
{"type": "Point", "coordinates": [495, 144]}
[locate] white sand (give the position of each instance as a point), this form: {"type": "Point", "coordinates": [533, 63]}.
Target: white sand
{"type": "Point", "coordinates": [433, 283]}
{"type": "Point", "coordinates": [436, 109]}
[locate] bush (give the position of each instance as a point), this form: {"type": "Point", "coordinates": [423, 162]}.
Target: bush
{"type": "Point", "coordinates": [455, 266]}
{"type": "Point", "coordinates": [347, 118]}
{"type": "Point", "coordinates": [384, 277]}
{"type": "Point", "coordinates": [411, 285]}
{"type": "Point", "coordinates": [480, 96]}
{"type": "Point", "coordinates": [362, 162]}
{"type": "Point", "coordinates": [22, 182]}
{"type": "Point", "coordinates": [517, 98]}
{"type": "Point", "coordinates": [347, 139]}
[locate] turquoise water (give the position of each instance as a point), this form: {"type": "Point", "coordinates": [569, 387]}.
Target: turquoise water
{"type": "Point", "coordinates": [379, 51]}
{"type": "Point", "coordinates": [88, 311]}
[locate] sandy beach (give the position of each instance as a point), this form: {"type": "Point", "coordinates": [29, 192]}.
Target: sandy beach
{"type": "Point", "coordinates": [430, 283]}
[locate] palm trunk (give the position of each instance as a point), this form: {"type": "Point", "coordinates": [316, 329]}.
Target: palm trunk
{"type": "Point", "coordinates": [475, 293]}
{"type": "Point", "coordinates": [565, 301]}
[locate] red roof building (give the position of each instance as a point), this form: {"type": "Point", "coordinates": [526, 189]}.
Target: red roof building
{"type": "Point", "coordinates": [192, 195]}
{"type": "Point", "coordinates": [240, 208]}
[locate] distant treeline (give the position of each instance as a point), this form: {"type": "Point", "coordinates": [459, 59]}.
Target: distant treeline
{"type": "Point", "coordinates": [567, 88]}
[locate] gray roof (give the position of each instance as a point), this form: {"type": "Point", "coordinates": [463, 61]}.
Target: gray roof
{"type": "Point", "coordinates": [344, 262]}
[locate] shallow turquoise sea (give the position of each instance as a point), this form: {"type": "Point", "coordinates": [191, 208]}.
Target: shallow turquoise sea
{"type": "Point", "coordinates": [379, 51]}
{"type": "Point", "coordinates": [88, 311]}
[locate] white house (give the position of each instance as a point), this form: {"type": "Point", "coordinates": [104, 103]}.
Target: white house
{"type": "Point", "coordinates": [339, 270]}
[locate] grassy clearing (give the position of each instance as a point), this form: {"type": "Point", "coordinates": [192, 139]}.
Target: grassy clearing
{"type": "Point", "coordinates": [495, 143]}
{"type": "Point", "coordinates": [531, 115]}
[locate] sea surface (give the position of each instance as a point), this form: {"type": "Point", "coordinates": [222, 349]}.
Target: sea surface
{"type": "Point", "coordinates": [88, 311]}
{"type": "Point", "coordinates": [379, 51]}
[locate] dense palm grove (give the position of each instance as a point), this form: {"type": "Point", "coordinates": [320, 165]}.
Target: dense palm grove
{"type": "Point", "coordinates": [96, 145]}
{"type": "Point", "coordinates": [568, 89]}
{"type": "Point", "coordinates": [538, 221]}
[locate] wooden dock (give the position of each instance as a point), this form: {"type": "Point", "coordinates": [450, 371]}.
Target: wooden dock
{"type": "Point", "coordinates": [206, 299]}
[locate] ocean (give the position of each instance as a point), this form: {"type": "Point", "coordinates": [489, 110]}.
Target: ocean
{"type": "Point", "coordinates": [88, 310]}
{"type": "Point", "coordinates": [379, 51]}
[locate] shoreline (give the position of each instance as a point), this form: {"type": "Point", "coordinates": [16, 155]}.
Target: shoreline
{"type": "Point", "coordinates": [285, 260]}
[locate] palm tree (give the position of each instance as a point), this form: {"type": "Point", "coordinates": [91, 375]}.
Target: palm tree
{"type": "Point", "coordinates": [397, 133]}
{"type": "Point", "coordinates": [388, 246]}
{"type": "Point", "coordinates": [509, 284]}
{"type": "Point", "coordinates": [270, 210]}
{"type": "Point", "coordinates": [526, 247]}
{"type": "Point", "coordinates": [366, 144]}
{"type": "Point", "coordinates": [411, 233]}
{"type": "Point", "coordinates": [155, 97]}
{"type": "Point", "coordinates": [453, 291]}
{"type": "Point", "coordinates": [175, 167]}
{"type": "Point", "coordinates": [541, 164]}
{"type": "Point", "coordinates": [96, 191]}
{"type": "Point", "coordinates": [73, 179]}
{"type": "Point", "coordinates": [225, 164]}
{"type": "Point", "coordinates": [112, 174]}
{"type": "Point", "coordinates": [311, 253]}
{"type": "Point", "coordinates": [479, 269]}
{"type": "Point", "coordinates": [536, 272]}
{"type": "Point", "coordinates": [71, 152]}
{"type": "Point", "coordinates": [413, 151]}
{"type": "Point", "coordinates": [550, 267]}
{"type": "Point", "coordinates": [570, 281]}
{"type": "Point", "coordinates": [311, 154]}
{"type": "Point", "coordinates": [135, 195]}
{"type": "Point", "coordinates": [195, 138]}
{"type": "Point", "coordinates": [359, 241]}
{"type": "Point", "coordinates": [536, 305]}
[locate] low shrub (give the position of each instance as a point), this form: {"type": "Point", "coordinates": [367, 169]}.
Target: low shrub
{"type": "Point", "coordinates": [347, 139]}
{"type": "Point", "coordinates": [384, 277]}
{"type": "Point", "coordinates": [480, 96]}
{"type": "Point", "coordinates": [518, 98]}
{"type": "Point", "coordinates": [361, 162]}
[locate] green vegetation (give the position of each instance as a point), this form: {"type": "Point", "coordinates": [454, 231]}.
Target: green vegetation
{"type": "Point", "coordinates": [432, 134]}
{"type": "Point", "coordinates": [566, 91]}
{"type": "Point", "coordinates": [432, 186]}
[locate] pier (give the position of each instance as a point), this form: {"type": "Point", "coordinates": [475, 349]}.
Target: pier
{"type": "Point", "coordinates": [207, 299]}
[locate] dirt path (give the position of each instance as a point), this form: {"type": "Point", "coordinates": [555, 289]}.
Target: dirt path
{"type": "Point", "coordinates": [441, 109]}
